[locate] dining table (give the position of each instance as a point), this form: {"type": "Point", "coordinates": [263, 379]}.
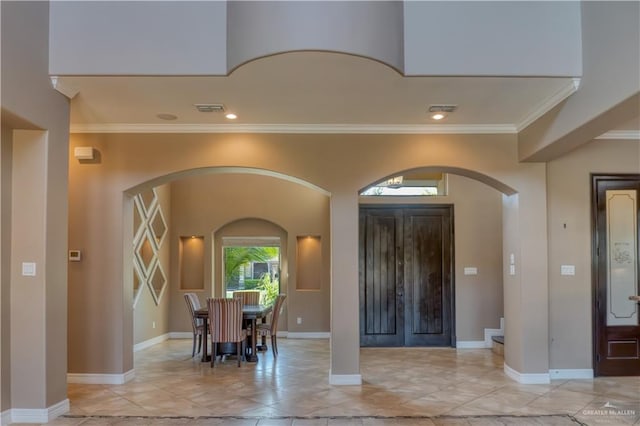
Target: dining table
{"type": "Point", "coordinates": [250, 315]}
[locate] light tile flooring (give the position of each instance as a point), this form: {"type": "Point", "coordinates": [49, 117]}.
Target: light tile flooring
{"type": "Point", "coordinates": [407, 386]}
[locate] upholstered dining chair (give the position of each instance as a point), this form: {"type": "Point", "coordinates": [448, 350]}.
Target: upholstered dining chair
{"type": "Point", "coordinates": [225, 325]}
{"type": "Point", "coordinates": [197, 324]}
{"type": "Point", "coordinates": [249, 297]}
{"type": "Point", "coordinates": [271, 328]}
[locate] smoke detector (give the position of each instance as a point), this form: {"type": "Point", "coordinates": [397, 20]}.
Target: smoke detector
{"type": "Point", "coordinates": [209, 107]}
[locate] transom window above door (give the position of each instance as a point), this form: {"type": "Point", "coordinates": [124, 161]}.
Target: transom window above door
{"type": "Point", "coordinates": [412, 184]}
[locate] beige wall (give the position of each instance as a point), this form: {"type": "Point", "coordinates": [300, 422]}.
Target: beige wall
{"type": "Point", "coordinates": [340, 164]}
{"type": "Point", "coordinates": [238, 205]}
{"type": "Point", "coordinates": [38, 372]}
{"type": "Point", "coordinates": [569, 198]}
{"type": "Point", "coordinates": [6, 158]}
{"type": "Point", "coordinates": [146, 312]}
{"type": "Point", "coordinates": [478, 243]}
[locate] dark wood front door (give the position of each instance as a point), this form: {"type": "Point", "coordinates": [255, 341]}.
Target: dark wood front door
{"type": "Point", "coordinates": [406, 283]}
{"type": "Point", "coordinates": [616, 268]}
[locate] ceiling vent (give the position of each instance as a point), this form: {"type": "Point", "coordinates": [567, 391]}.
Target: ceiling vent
{"type": "Point", "coordinates": [209, 107]}
{"type": "Point", "coordinates": [443, 108]}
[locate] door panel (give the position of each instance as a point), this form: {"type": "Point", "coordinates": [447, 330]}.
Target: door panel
{"type": "Point", "coordinates": [616, 265]}
{"type": "Point", "coordinates": [380, 303]}
{"type": "Point", "coordinates": [427, 262]}
{"type": "Point", "coordinates": [405, 276]}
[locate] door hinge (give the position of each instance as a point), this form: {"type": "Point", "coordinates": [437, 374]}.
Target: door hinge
{"type": "Point", "coordinates": [597, 357]}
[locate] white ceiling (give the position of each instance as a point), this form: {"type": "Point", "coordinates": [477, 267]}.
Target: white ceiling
{"type": "Point", "coordinates": [314, 88]}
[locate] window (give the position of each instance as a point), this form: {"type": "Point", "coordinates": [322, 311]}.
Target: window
{"type": "Point", "coordinates": [416, 184]}
{"type": "Point", "coordinates": [252, 264]}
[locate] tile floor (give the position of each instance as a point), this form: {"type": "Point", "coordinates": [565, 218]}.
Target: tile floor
{"type": "Point", "coordinates": [403, 386]}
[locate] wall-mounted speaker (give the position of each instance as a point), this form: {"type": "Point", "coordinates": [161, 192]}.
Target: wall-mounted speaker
{"type": "Point", "coordinates": [83, 153]}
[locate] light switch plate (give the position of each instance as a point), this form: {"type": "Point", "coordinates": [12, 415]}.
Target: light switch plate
{"type": "Point", "coordinates": [471, 270]}
{"type": "Point", "coordinates": [28, 269]}
{"type": "Point", "coordinates": [567, 270]}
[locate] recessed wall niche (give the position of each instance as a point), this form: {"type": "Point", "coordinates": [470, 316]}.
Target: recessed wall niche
{"type": "Point", "coordinates": [309, 263]}
{"type": "Point", "coordinates": [191, 262]}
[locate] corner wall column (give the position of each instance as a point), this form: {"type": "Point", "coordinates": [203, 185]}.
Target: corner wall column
{"type": "Point", "coordinates": [526, 286]}
{"type": "Point", "coordinates": [345, 334]}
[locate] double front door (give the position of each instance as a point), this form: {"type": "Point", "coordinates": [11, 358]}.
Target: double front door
{"type": "Point", "coordinates": [406, 285]}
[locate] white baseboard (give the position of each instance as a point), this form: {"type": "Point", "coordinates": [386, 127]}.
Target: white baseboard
{"type": "Point", "coordinates": [490, 332]}
{"type": "Point", "coordinates": [345, 379]}
{"type": "Point", "coordinates": [308, 335]}
{"type": "Point", "coordinates": [471, 344]}
{"type": "Point", "coordinates": [5, 417]}
{"type": "Point", "coordinates": [571, 373]}
{"type": "Point", "coordinates": [153, 341]}
{"type": "Point", "coordinates": [181, 335]}
{"type": "Point", "coordinates": [101, 379]}
{"type": "Point", "coordinates": [35, 415]}
{"type": "Point", "coordinates": [525, 378]}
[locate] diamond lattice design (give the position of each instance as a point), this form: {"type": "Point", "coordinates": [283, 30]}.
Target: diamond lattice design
{"type": "Point", "coordinates": [157, 282]}
{"type": "Point", "coordinates": [158, 227]}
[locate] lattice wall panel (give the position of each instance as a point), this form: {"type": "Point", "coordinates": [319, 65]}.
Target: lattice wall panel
{"type": "Point", "coordinates": [150, 230]}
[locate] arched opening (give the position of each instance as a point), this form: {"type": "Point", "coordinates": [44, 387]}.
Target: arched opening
{"type": "Point", "coordinates": [431, 265]}
{"type": "Point", "coordinates": [202, 211]}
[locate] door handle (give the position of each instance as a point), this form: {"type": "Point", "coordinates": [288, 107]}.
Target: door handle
{"type": "Point", "coordinates": [400, 294]}
{"type": "Point", "coordinates": [636, 298]}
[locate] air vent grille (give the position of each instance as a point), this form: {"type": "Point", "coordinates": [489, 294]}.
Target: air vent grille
{"type": "Point", "coordinates": [209, 107]}
{"type": "Point", "coordinates": [442, 108]}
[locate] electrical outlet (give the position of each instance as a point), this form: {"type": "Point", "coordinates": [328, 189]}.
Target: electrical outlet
{"type": "Point", "coordinates": [299, 320]}
{"type": "Point", "coordinates": [153, 324]}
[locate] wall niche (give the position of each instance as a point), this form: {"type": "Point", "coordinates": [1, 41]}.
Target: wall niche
{"type": "Point", "coordinates": [191, 262]}
{"type": "Point", "coordinates": [309, 263]}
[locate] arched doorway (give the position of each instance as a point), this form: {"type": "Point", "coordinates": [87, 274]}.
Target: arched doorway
{"type": "Point", "coordinates": [431, 259]}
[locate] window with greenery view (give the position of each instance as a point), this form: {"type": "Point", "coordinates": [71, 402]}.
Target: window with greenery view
{"type": "Point", "coordinates": [252, 267]}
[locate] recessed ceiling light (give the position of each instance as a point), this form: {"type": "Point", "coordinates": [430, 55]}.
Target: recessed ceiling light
{"type": "Point", "coordinates": [168, 117]}
{"type": "Point", "coordinates": [231, 116]}
{"type": "Point", "coordinates": [440, 111]}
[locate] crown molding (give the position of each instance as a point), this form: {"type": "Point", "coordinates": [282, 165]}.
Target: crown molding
{"type": "Point", "coordinates": [296, 128]}
{"type": "Point", "coordinates": [621, 135]}
{"type": "Point", "coordinates": [547, 105]}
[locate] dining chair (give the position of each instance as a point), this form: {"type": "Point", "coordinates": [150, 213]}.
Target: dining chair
{"type": "Point", "coordinates": [197, 324]}
{"type": "Point", "coordinates": [249, 297]}
{"type": "Point", "coordinates": [271, 329]}
{"type": "Point", "coordinates": [225, 325]}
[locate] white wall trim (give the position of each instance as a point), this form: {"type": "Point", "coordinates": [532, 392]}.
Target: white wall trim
{"type": "Point", "coordinates": [548, 104]}
{"type": "Point", "coordinates": [181, 335]}
{"type": "Point", "coordinates": [345, 379]}
{"type": "Point", "coordinates": [36, 415]}
{"type": "Point", "coordinates": [490, 332]}
{"type": "Point", "coordinates": [148, 343]}
{"type": "Point", "coordinates": [571, 373]}
{"type": "Point", "coordinates": [296, 128]}
{"type": "Point", "coordinates": [101, 379]}
{"type": "Point", "coordinates": [471, 344]}
{"type": "Point", "coordinates": [621, 135]}
{"type": "Point", "coordinates": [527, 378]}
{"type": "Point", "coordinates": [308, 335]}
{"type": "Point", "coordinates": [5, 418]}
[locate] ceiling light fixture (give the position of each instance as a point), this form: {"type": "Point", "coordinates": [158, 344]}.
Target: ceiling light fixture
{"type": "Point", "coordinates": [438, 112]}
{"type": "Point", "coordinates": [231, 116]}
